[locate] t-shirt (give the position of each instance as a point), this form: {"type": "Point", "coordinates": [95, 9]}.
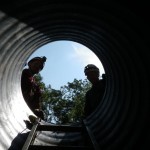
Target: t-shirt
{"type": "Point", "coordinates": [30, 90]}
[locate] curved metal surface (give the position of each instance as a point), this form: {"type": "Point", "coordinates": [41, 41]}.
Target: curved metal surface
{"type": "Point", "coordinates": [116, 32]}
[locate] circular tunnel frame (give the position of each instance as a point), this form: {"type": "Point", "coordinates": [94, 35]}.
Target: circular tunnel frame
{"type": "Point", "coordinates": [116, 32]}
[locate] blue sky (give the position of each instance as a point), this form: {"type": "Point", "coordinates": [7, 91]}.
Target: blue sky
{"type": "Point", "coordinates": [65, 62]}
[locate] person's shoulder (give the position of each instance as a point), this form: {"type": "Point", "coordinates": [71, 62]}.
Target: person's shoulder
{"type": "Point", "coordinates": [102, 83]}
{"type": "Point", "coordinates": [26, 71]}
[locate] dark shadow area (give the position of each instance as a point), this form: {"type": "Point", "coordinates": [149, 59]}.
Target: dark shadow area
{"type": "Point", "coordinates": [47, 16]}
{"type": "Point", "coordinates": [19, 141]}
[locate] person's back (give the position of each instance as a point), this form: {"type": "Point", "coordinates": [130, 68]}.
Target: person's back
{"type": "Point", "coordinates": [93, 97]}
{"type": "Point", "coordinates": [95, 94]}
{"type": "Point", "coordinates": [30, 89]}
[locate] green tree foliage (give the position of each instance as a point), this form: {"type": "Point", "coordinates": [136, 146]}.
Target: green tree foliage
{"type": "Point", "coordinates": [65, 105]}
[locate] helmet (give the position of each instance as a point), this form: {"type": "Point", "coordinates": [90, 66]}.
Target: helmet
{"type": "Point", "coordinates": [89, 68]}
{"type": "Point", "coordinates": [42, 59]}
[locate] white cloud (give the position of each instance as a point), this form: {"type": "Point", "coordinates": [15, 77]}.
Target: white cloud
{"type": "Point", "coordinates": [85, 56]}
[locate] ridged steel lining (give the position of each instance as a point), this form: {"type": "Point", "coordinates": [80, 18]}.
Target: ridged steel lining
{"type": "Point", "coordinates": [118, 33]}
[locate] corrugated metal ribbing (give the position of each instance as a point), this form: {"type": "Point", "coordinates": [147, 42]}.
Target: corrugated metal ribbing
{"type": "Point", "coordinates": [116, 32]}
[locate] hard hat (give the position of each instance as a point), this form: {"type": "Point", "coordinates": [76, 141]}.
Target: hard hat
{"type": "Point", "coordinates": [42, 59]}
{"type": "Point", "coordinates": [90, 68]}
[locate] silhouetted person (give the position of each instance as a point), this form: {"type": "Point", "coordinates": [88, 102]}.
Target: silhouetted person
{"type": "Point", "coordinates": [95, 94]}
{"type": "Point", "coordinates": [30, 89]}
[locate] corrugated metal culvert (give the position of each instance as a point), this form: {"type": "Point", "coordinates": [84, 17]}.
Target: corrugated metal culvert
{"type": "Point", "coordinates": [118, 33]}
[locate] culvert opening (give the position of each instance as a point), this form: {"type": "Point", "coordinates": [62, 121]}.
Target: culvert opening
{"type": "Point", "coordinates": [62, 81]}
{"type": "Point", "coordinates": [117, 31]}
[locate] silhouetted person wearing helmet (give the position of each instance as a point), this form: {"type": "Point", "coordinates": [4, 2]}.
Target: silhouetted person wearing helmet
{"type": "Point", "coordinates": [95, 94]}
{"type": "Point", "coordinates": [30, 89]}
